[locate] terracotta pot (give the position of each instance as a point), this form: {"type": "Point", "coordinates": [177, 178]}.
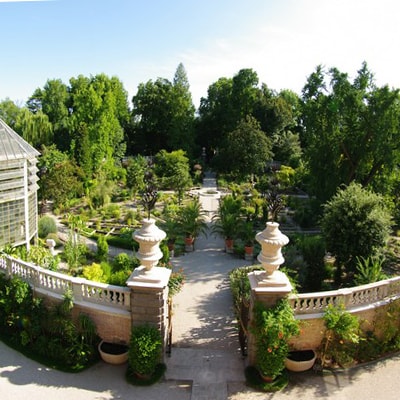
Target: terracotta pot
{"type": "Point", "coordinates": [266, 378]}
{"type": "Point", "coordinates": [300, 360]}
{"type": "Point", "coordinates": [113, 353]}
{"type": "Point", "coordinates": [229, 245]}
{"type": "Point", "coordinates": [189, 240]}
{"type": "Point", "coordinates": [249, 249]}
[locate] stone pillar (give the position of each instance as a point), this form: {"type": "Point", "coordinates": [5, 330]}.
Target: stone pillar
{"type": "Point", "coordinates": [270, 285]}
{"type": "Point", "coordinates": [148, 283]}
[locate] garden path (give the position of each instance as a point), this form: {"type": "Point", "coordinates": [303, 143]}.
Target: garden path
{"type": "Point", "coordinates": [205, 348]}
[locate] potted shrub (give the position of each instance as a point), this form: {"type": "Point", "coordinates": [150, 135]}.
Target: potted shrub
{"type": "Point", "coordinates": [172, 229]}
{"type": "Point", "coordinates": [226, 226]}
{"type": "Point", "coordinates": [272, 328]}
{"type": "Point", "coordinates": [247, 234]}
{"type": "Point", "coordinates": [226, 221]}
{"type": "Point", "coordinates": [144, 351]}
{"type": "Point", "coordinates": [192, 223]}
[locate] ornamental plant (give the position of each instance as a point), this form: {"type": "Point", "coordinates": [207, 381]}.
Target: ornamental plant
{"type": "Point", "coordinates": [272, 329]}
{"type": "Point", "coordinates": [342, 336]}
{"type": "Point", "coordinates": [144, 350]}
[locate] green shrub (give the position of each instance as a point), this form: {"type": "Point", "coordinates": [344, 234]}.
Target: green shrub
{"type": "Point", "coordinates": [355, 223]}
{"type": "Point", "coordinates": [313, 273]}
{"type": "Point", "coordinates": [144, 349]}
{"type": "Point", "coordinates": [342, 336]}
{"type": "Point", "coordinates": [272, 328]}
{"type": "Point", "coordinates": [46, 225]}
{"type": "Point", "coordinates": [102, 248]}
{"type": "Point", "coordinates": [369, 270]}
{"type": "Point", "coordinates": [94, 272]}
{"type": "Point", "coordinates": [112, 211]}
{"type": "Point", "coordinates": [119, 278]}
{"type": "Point", "coordinates": [123, 262]}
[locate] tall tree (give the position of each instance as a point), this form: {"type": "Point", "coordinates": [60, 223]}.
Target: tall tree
{"type": "Point", "coordinates": [9, 112]}
{"type": "Point", "coordinates": [182, 124]}
{"type": "Point", "coordinates": [163, 115]}
{"type": "Point", "coordinates": [245, 151]}
{"type": "Point", "coordinates": [36, 128]}
{"type": "Point", "coordinates": [54, 101]}
{"type": "Point", "coordinates": [351, 130]}
{"type": "Point", "coordinates": [216, 116]}
{"type": "Point", "coordinates": [173, 170]}
{"type": "Point", "coordinates": [99, 111]}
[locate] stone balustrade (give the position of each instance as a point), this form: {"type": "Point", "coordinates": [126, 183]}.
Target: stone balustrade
{"type": "Point", "coordinates": [54, 284]}
{"type": "Point", "coordinates": [354, 299]}
{"type": "Point", "coordinates": [304, 304]}
{"type": "Point", "coordinates": [114, 309]}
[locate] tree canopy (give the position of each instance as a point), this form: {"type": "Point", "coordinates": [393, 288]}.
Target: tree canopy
{"type": "Point", "coordinates": [351, 130]}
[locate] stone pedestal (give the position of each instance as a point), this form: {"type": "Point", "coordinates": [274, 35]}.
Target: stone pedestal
{"type": "Point", "coordinates": [149, 298]}
{"type": "Point", "coordinates": [148, 283]}
{"type": "Point", "coordinates": [270, 285]}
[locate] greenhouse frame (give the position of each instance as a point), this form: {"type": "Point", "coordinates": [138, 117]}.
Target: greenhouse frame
{"type": "Point", "coordinates": [18, 189]}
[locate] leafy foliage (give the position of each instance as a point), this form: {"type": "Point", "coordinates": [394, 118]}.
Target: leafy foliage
{"type": "Point", "coordinates": [369, 270]}
{"type": "Point", "coordinates": [355, 224]}
{"type": "Point", "coordinates": [272, 329]}
{"type": "Point", "coordinates": [144, 349]}
{"type": "Point", "coordinates": [47, 334]}
{"type": "Point", "coordinates": [351, 130]}
{"type": "Point", "coordinates": [46, 225]}
{"type": "Point", "coordinates": [342, 335]}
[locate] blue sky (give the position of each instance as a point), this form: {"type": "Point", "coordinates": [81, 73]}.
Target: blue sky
{"type": "Point", "coordinates": [139, 40]}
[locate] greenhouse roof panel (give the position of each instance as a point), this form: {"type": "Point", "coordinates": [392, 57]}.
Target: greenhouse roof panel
{"type": "Point", "coordinates": [13, 146]}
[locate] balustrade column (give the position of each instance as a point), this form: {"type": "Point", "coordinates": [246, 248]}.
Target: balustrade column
{"type": "Point", "coordinates": [270, 285]}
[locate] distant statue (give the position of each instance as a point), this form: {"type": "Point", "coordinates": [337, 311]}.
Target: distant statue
{"type": "Point", "coordinates": [150, 194]}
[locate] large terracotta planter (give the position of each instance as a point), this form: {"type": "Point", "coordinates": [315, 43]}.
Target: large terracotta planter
{"type": "Point", "coordinates": [113, 353]}
{"type": "Point", "coordinates": [301, 360]}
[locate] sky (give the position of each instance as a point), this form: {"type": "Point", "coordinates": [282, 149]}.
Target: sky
{"type": "Point", "coordinates": [141, 40]}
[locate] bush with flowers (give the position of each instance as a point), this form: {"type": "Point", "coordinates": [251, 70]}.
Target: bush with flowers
{"type": "Point", "coordinates": [272, 329]}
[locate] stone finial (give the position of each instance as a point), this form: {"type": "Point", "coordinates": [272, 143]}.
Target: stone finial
{"type": "Point", "coordinates": [149, 237]}
{"type": "Point", "coordinates": [271, 240]}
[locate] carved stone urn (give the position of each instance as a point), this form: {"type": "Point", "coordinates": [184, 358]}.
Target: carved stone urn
{"type": "Point", "coordinates": [272, 240]}
{"type": "Point", "coordinates": [149, 237]}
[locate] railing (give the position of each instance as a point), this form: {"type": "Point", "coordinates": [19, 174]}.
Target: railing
{"type": "Point", "coordinates": [354, 298]}
{"type": "Point", "coordinates": [56, 284]}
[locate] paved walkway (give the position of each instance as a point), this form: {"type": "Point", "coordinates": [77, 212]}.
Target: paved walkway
{"type": "Point", "coordinates": [205, 363]}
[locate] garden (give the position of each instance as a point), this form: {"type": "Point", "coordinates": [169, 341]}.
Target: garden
{"type": "Point", "coordinates": [324, 165]}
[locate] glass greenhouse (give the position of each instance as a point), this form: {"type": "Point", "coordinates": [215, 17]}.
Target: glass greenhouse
{"type": "Point", "coordinates": [18, 189]}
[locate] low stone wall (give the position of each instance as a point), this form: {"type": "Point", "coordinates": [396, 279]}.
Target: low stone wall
{"type": "Point", "coordinates": [113, 309]}
{"type": "Point", "coordinates": [312, 327]}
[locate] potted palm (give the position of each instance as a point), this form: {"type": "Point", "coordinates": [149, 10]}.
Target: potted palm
{"type": "Point", "coordinates": [226, 221]}
{"type": "Point", "coordinates": [172, 229]}
{"type": "Point", "coordinates": [247, 234]}
{"type": "Point", "coordinates": [192, 223]}
{"type": "Point", "coordinates": [226, 225]}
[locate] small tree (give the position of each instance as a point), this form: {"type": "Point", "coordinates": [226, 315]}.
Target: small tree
{"type": "Point", "coordinates": [355, 224]}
